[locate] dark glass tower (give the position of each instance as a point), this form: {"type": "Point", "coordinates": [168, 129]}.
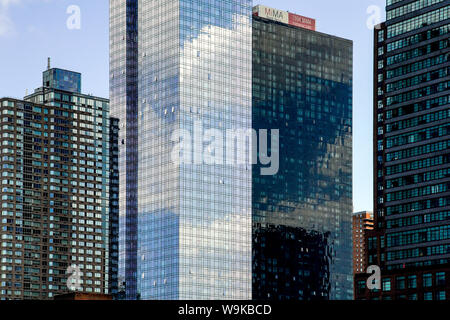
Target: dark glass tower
{"type": "Point", "coordinates": [411, 240]}
{"type": "Point", "coordinates": [124, 99]}
{"type": "Point", "coordinates": [302, 85]}
{"type": "Point", "coordinates": [114, 206]}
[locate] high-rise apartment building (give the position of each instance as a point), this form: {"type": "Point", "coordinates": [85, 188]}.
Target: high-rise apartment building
{"type": "Point", "coordinates": [362, 221]}
{"type": "Point", "coordinates": [411, 239]}
{"type": "Point", "coordinates": [302, 216]}
{"type": "Point", "coordinates": [182, 65]}
{"type": "Point", "coordinates": [59, 180]}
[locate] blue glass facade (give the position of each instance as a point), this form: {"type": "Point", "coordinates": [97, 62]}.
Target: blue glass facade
{"type": "Point", "coordinates": [62, 80]}
{"type": "Point", "coordinates": [302, 85]}
{"type": "Point", "coordinates": [193, 221]}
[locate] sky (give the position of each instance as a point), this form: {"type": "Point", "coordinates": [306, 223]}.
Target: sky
{"type": "Point", "coordinates": [32, 30]}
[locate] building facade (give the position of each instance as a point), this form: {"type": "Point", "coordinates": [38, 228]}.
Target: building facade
{"type": "Point", "coordinates": [302, 216]}
{"type": "Point", "coordinates": [411, 239]}
{"type": "Point", "coordinates": [113, 273]}
{"type": "Point", "coordinates": [57, 221]}
{"type": "Point", "coordinates": [182, 65]}
{"type": "Point", "coordinates": [362, 222]}
{"type": "Point", "coordinates": [124, 97]}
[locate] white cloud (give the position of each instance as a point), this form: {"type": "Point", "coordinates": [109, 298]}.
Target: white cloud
{"type": "Point", "coordinates": [6, 24]}
{"type": "Point", "coordinates": [4, 4]}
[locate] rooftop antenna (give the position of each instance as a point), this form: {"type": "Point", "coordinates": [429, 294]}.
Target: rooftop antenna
{"type": "Point", "coordinates": [48, 63]}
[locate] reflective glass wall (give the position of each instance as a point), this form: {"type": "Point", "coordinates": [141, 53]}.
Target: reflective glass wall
{"type": "Point", "coordinates": [302, 85]}
{"type": "Point", "coordinates": [62, 80]}
{"type": "Point", "coordinates": [123, 95]}
{"type": "Point", "coordinates": [194, 225]}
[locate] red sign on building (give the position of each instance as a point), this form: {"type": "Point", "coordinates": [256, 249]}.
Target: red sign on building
{"type": "Point", "coordinates": [302, 22]}
{"type": "Point", "coordinates": [284, 17]}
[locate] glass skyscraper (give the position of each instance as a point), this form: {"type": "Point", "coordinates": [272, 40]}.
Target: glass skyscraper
{"type": "Point", "coordinates": [302, 85]}
{"type": "Point", "coordinates": [123, 97]}
{"type": "Point", "coordinates": [187, 225]}
{"type": "Point", "coordinates": [411, 240]}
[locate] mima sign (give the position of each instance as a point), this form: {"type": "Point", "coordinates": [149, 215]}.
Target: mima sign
{"type": "Point", "coordinates": [272, 14]}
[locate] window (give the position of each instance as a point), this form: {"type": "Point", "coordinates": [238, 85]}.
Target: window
{"type": "Point", "coordinates": [387, 284]}
{"type": "Point", "coordinates": [381, 36]}
{"type": "Point", "coordinates": [440, 278]}
{"type": "Point", "coordinates": [401, 283]}
{"type": "Point", "coordinates": [440, 295]}
{"type": "Point", "coordinates": [361, 286]}
{"type": "Point", "coordinates": [412, 282]}
{"type": "Point", "coordinates": [428, 296]}
{"type": "Point", "coordinates": [427, 280]}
